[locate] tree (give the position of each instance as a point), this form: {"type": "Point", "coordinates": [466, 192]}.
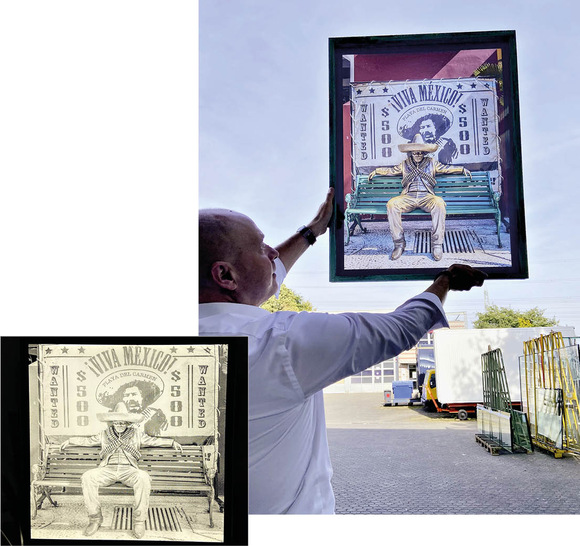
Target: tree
{"type": "Point", "coordinates": [288, 301]}
{"type": "Point", "coordinates": [505, 317]}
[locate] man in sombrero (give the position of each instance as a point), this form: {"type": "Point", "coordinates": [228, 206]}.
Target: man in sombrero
{"type": "Point", "coordinates": [419, 171]}
{"type": "Point", "coordinates": [120, 445]}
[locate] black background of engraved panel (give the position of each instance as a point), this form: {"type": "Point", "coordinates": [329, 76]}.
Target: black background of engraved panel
{"type": "Point", "coordinates": [16, 435]}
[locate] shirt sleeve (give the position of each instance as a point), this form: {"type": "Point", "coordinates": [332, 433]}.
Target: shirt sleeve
{"type": "Point", "coordinates": [86, 440]}
{"type": "Point", "coordinates": [326, 348]}
{"type": "Point", "coordinates": [155, 441]}
{"type": "Point", "coordinates": [390, 171]}
{"type": "Point", "coordinates": [440, 168]}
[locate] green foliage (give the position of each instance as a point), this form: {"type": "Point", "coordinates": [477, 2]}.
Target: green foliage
{"type": "Point", "coordinates": [288, 301]}
{"type": "Point", "coordinates": [492, 70]}
{"type": "Point", "coordinates": [505, 317]}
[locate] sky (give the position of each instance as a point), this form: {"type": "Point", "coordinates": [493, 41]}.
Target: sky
{"type": "Point", "coordinates": [264, 133]}
{"type": "Point", "coordinates": [119, 118]}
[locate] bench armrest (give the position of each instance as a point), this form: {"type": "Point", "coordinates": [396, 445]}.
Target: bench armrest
{"type": "Point", "coordinates": [38, 472]}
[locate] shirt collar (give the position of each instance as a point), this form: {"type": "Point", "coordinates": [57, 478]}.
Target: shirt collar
{"type": "Point", "coordinates": [224, 308]}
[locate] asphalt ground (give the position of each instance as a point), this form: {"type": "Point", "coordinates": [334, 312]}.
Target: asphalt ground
{"type": "Point", "coordinates": [403, 460]}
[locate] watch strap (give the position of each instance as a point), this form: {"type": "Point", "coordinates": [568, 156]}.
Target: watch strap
{"type": "Point", "coordinates": [307, 233]}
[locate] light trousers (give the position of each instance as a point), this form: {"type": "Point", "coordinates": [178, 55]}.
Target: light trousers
{"type": "Point", "coordinates": [102, 476]}
{"type": "Point", "coordinates": [405, 203]}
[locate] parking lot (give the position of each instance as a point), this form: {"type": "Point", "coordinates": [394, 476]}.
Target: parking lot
{"type": "Point", "coordinates": [403, 460]}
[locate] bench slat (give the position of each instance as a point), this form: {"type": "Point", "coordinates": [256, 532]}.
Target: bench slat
{"type": "Point", "coordinates": [176, 462]}
{"type": "Point", "coordinates": [192, 485]}
{"type": "Point", "coordinates": [53, 470]}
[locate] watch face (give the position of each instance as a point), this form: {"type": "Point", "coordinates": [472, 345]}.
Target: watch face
{"type": "Point", "coordinates": [308, 235]}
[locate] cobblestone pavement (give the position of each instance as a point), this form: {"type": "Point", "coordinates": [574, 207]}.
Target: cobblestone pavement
{"type": "Point", "coordinates": [69, 519]}
{"type": "Point", "coordinates": [403, 460]}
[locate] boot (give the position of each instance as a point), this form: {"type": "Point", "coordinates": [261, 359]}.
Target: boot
{"type": "Point", "coordinates": [398, 250]}
{"type": "Point", "coordinates": [437, 252]}
{"type": "Point", "coordinates": [138, 529]}
{"type": "Point", "coordinates": [94, 524]}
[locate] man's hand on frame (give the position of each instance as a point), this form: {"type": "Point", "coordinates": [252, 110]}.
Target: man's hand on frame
{"type": "Point", "coordinates": [322, 218]}
{"type": "Point", "coordinates": [463, 277]}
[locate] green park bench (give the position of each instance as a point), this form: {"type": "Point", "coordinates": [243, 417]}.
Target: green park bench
{"type": "Point", "coordinates": [171, 473]}
{"type": "Point", "coordinates": [464, 196]}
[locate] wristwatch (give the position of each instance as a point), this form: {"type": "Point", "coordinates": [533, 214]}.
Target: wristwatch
{"type": "Point", "coordinates": [306, 232]}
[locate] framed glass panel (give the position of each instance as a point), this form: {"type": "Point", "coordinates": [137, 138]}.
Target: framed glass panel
{"type": "Point", "coordinates": [452, 100]}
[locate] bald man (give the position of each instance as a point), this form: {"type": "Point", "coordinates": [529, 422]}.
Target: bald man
{"type": "Point", "coordinates": [293, 356]}
{"type": "Point", "coordinates": [235, 264]}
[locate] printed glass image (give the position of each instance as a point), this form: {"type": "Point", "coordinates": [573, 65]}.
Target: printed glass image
{"type": "Point", "coordinates": [425, 170]}
{"type": "Point", "coordinates": [125, 441]}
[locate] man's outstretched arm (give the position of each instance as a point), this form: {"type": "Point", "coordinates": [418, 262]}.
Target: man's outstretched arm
{"type": "Point", "coordinates": [347, 343]}
{"type": "Point", "coordinates": [292, 248]}
{"type": "Point", "coordinates": [387, 171]}
{"type": "Point", "coordinates": [158, 441]}
{"type": "Point", "coordinates": [83, 441]}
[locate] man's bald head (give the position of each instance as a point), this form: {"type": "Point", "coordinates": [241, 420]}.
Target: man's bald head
{"type": "Point", "coordinates": [234, 262]}
{"type": "Point", "coordinates": [218, 241]}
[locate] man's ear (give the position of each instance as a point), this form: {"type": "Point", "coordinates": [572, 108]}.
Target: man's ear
{"type": "Point", "coordinates": [223, 275]}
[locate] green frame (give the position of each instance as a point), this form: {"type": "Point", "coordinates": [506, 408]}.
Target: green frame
{"type": "Point", "coordinates": [509, 160]}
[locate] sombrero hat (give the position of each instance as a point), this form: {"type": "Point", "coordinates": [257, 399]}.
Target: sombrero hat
{"type": "Point", "coordinates": [120, 413]}
{"type": "Point", "coordinates": [417, 145]}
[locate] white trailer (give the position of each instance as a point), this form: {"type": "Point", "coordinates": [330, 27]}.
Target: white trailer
{"type": "Point", "coordinates": [458, 362]}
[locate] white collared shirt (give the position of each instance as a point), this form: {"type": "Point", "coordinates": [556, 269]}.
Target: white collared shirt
{"type": "Point", "coordinates": [292, 357]}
